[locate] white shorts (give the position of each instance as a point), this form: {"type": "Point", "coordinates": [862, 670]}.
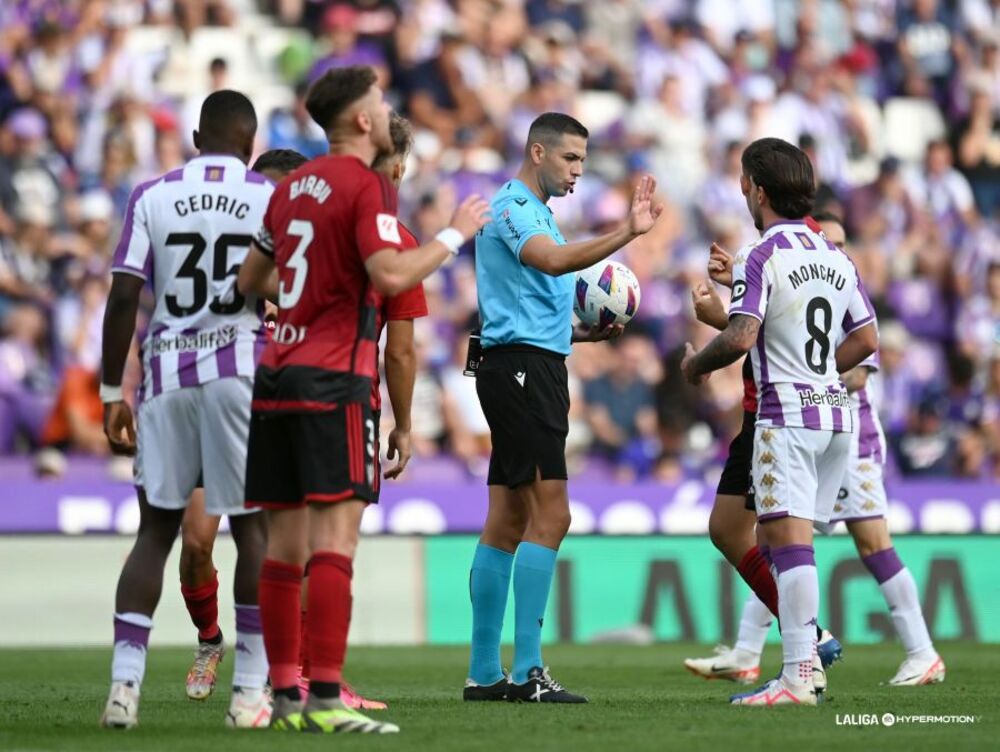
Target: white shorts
{"type": "Point", "coordinates": [191, 434]}
{"type": "Point", "coordinates": [797, 471]}
{"type": "Point", "coordinates": [862, 492]}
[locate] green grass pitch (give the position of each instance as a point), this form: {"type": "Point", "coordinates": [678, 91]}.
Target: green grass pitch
{"type": "Point", "coordinates": [641, 699]}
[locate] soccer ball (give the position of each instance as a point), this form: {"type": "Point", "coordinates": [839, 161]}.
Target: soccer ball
{"type": "Point", "coordinates": [607, 293]}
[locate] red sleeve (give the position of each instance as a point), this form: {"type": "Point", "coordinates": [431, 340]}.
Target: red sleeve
{"type": "Point", "coordinates": [376, 226]}
{"type": "Point", "coordinates": [409, 304]}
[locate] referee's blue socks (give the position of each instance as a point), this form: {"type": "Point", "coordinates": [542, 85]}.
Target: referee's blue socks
{"type": "Point", "coordinates": [533, 569]}
{"type": "Point", "coordinates": [489, 582]}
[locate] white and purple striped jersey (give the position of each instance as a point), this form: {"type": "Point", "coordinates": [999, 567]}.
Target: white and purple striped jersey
{"type": "Point", "coordinates": [187, 233]}
{"type": "Point", "coordinates": [869, 439]}
{"type": "Point", "coordinates": [807, 295]}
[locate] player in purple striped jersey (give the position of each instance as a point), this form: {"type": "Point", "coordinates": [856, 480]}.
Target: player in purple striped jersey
{"type": "Point", "coordinates": [199, 580]}
{"type": "Point", "coordinates": [862, 505]}
{"type": "Point", "coordinates": [186, 234]}
{"type": "Point", "coordinates": [794, 296]}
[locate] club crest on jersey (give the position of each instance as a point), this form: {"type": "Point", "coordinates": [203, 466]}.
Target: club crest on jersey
{"type": "Point", "coordinates": [213, 174]}
{"type": "Point", "coordinates": [388, 228]}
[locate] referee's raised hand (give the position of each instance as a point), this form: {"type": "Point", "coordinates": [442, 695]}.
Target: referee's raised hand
{"type": "Point", "coordinates": [471, 215]}
{"type": "Point", "coordinates": [643, 214]}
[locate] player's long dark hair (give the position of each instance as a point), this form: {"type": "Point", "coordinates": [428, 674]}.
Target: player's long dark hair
{"type": "Point", "coordinates": [784, 172]}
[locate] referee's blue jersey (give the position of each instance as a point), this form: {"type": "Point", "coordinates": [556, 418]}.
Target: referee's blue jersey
{"type": "Point", "coordinates": [517, 303]}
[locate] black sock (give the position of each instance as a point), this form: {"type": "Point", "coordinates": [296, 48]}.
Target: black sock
{"type": "Point", "coordinates": [819, 633]}
{"type": "Point", "coordinates": [289, 693]}
{"type": "Point", "coordinates": [324, 690]}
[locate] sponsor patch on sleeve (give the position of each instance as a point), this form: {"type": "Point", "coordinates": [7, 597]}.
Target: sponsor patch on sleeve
{"type": "Point", "coordinates": [388, 228]}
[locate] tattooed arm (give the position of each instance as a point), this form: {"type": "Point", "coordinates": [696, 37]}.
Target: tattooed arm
{"type": "Point", "coordinates": [728, 347]}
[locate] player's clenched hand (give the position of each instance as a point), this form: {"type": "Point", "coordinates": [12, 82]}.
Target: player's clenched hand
{"type": "Point", "coordinates": [471, 215]}
{"type": "Point", "coordinates": [643, 214]}
{"type": "Point", "coordinates": [689, 374]}
{"type": "Point", "coordinates": [584, 333]}
{"type": "Point", "coordinates": [119, 427]}
{"type": "Point", "coordinates": [720, 265]}
{"type": "Point", "coordinates": [399, 444]}
{"type": "Point", "coordinates": [708, 306]}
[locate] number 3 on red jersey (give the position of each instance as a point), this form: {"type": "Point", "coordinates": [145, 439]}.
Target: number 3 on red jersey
{"type": "Point", "coordinates": [288, 296]}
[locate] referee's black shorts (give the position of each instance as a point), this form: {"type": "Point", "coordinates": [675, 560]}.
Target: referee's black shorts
{"type": "Point", "coordinates": [524, 394]}
{"type": "Point", "coordinates": [735, 478]}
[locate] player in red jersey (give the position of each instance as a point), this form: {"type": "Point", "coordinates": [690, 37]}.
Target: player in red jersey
{"type": "Point", "coordinates": [396, 314]}
{"type": "Point", "coordinates": [328, 250]}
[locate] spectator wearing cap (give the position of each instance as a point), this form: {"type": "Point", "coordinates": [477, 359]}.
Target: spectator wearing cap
{"type": "Point", "coordinates": [344, 48]}
{"type": "Point", "coordinates": [26, 179]}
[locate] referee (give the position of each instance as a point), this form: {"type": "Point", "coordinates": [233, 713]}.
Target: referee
{"type": "Point", "coordinates": [524, 273]}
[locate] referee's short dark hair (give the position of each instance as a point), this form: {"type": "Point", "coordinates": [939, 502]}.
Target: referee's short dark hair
{"type": "Point", "coordinates": [784, 172]}
{"type": "Point", "coordinates": [280, 160]}
{"type": "Point", "coordinates": [549, 127]}
{"type": "Point", "coordinates": [335, 91]}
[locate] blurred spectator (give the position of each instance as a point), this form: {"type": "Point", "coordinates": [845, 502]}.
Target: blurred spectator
{"type": "Point", "coordinates": [621, 408]}
{"type": "Point", "coordinates": [292, 128]}
{"type": "Point", "coordinates": [976, 142]}
{"type": "Point", "coordinates": [26, 383]}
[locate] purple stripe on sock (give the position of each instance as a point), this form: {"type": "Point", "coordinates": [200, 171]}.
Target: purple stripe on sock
{"type": "Point", "coordinates": [134, 635]}
{"type": "Point", "coordinates": [248, 619]}
{"type": "Point", "coordinates": [884, 565]}
{"type": "Point", "coordinates": [789, 557]}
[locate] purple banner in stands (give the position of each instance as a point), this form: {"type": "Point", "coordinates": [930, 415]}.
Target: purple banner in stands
{"type": "Point", "coordinates": [86, 501]}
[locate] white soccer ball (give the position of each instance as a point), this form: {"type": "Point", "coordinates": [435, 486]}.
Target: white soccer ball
{"type": "Point", "coordinates": [607, 293]}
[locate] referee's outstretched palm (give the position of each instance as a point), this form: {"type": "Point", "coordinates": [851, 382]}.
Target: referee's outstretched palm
{"type": "Point", "coordinates": [643, 215]}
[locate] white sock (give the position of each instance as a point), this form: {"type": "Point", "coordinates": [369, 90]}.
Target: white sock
{"type": "Point", "coordinates": [128, 662]}
{"type": "Point", "coordinates": [754, 626]}
{"type": "Point", "coordinates": [900, 593]}
{"type": "Point", "coordinates": [250, 664]}
{"type": "Point", "coordinates": [798, 606]}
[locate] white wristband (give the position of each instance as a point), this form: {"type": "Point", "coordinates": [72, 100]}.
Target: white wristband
{"type": "Point", "coordinates": [111, 393]}
{"type": "Point", "coordinates": [452, 239]}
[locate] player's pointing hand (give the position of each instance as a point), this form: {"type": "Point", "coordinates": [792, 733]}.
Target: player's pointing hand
{"type": "Point", "coordinates": [720, 265]}
{"type": "Point", "coordinates": [471, 215]}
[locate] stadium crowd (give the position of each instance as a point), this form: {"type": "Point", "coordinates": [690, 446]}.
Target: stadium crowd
{"type": "Point", "coordinates": [896, 101]}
